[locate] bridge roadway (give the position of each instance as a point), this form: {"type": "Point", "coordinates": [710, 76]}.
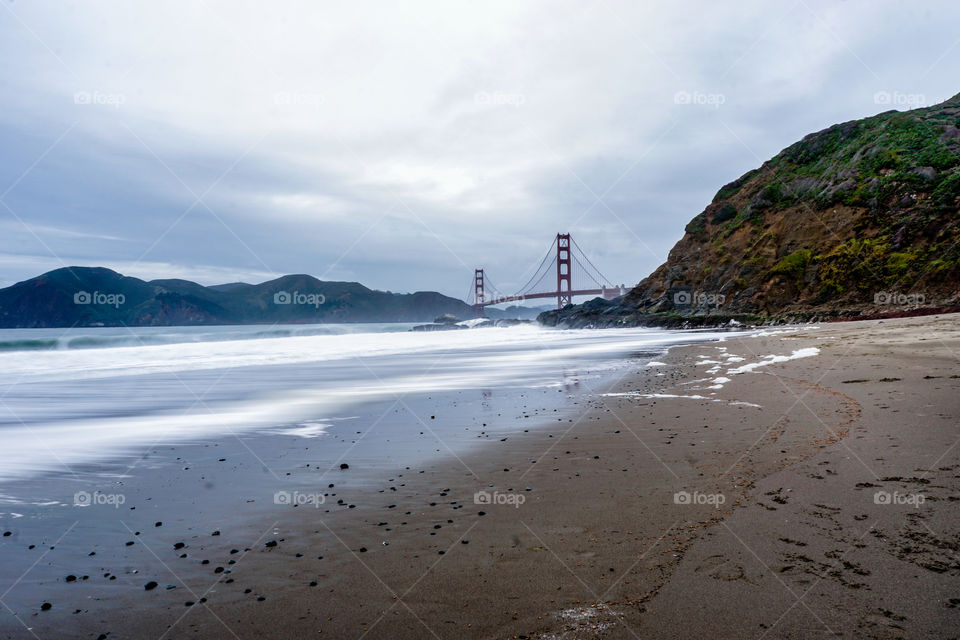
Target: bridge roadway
{"type": "Point", "coordinates": [608, 294]}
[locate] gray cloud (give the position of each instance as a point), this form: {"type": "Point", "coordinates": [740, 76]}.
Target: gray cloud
{"type": "Point", "coordinates": [403, 148]}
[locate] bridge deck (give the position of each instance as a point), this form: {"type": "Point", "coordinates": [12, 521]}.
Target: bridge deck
{"type": "Point", "coordinates": [610, 293]}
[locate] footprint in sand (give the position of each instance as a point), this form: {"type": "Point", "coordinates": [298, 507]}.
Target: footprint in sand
{"type": "Point", "coordinates": [720, 567]}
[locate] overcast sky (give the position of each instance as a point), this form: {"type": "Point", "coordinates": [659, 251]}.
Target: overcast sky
{"type": "Point", "coordinates": [403, 144]}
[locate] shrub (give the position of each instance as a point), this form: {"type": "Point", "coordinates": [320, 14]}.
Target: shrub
{"type": "Point", "coordinates": [792, 266]}
{"type": "Point", "coordinates": [858, 262]}
{"type": "Point", "coordinates": [726, 212]}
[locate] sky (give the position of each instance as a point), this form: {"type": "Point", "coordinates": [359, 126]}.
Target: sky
{"type": "Point", "coordinates": [402, 145]}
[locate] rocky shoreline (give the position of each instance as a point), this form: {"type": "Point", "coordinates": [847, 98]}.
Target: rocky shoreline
{"type": "Point", "coordinates": [603, 314]}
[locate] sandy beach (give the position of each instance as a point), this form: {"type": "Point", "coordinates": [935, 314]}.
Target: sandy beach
{"type": "Point", "coordinates": [802, 483]}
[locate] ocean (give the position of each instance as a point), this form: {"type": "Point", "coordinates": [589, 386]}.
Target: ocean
{"type": "Point", "coordinates": [79, 396]}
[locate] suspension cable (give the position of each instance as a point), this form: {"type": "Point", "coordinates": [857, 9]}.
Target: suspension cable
{"type": "Point", "coordinates": [472, 292]}
{"type": "Point", "coordinates": [586, 272]}
{"type": "Point", "coordinates": [525, 288]}
{"type": "Point", "coordinates": [494, 290]}
{"type": "Point", "coordinates": [545, 273]}
{"type": "Point", "coordinates": [603, 278]}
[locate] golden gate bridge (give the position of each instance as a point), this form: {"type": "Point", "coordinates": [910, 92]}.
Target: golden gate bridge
{"type": "Point", "coordinates": [568, 267]}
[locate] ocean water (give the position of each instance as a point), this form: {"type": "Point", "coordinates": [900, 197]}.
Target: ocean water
{"type": "Point", "coordinates": [83, 395]}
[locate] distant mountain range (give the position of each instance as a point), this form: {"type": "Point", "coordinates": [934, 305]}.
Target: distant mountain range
{"type": "Point", "coordinates": [860, 219]}
{"type": "Point", "coordinates": [95, 296]}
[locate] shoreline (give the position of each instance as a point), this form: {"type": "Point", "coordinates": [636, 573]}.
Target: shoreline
{"type": "Point", "coordinates": [602, 314]}
{"type": "Point", "coordinates": [603, 543]}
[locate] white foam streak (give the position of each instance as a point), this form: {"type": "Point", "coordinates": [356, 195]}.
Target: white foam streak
{"type": "Point", "coordinates": [773, 359]}
{"type": "Point", "coordinates": [104, 402]}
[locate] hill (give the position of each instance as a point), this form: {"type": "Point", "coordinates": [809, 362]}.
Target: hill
{"type": "Point", "coordinates": [860, 219]}
{"type": "Point", "coordinates": [95, 296]}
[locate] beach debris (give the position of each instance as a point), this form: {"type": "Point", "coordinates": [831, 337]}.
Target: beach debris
{"type": "Point", "coordinates": [150, 586]}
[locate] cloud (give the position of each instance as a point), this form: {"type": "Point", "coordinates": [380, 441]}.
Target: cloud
{"type": "Point", "coordinates": [404, 147]}
{"type": "Point", "coordinates": [204, 274]}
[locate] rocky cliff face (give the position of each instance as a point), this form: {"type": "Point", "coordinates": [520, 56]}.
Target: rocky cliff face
{"type": "Point", "coordinates": [858, 219]}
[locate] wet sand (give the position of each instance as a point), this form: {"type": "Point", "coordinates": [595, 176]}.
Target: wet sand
{"type": "Point", "coordinates": [812, 497]}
